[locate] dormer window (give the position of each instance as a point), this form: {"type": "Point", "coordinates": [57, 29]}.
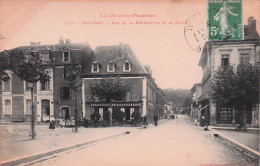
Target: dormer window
{"type": "Point", "coordinates": [45, 56]}
{"type": "Point", "coordinates": [127, 66]}
{"type": "Point", "coordinates": [111, 66]}
{"type": "Point", "coordinates": [95, 67]}
{"type": "Point", "coordinates": [66, 56]}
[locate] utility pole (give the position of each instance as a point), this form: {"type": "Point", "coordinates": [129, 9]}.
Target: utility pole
{"type": "Point", "coordinates": [32, 132]}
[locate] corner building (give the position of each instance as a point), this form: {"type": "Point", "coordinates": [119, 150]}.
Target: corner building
{"type": "Point", "coordinates": [114, 61]}
{"type": "Point", "coordinates": [51, 98]}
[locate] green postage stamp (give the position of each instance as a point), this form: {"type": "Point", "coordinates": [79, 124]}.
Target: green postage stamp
{"type": "Point", "coordinates": [225, 20]}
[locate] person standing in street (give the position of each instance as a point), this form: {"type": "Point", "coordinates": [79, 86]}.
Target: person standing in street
{"type": "Point", "coordinates": [155, 119]}
{"type": "Point", "coordinates": [145, 122]}
{"type": "Point", "coordinates": [52, 123]}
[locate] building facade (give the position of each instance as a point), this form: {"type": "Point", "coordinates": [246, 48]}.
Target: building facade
{"type": "Point", "coordinates": [218, 54]}
{"type": "Point", "coordinates": [50, 98]}
{"type": "Point", "coordinates": [114, 61]}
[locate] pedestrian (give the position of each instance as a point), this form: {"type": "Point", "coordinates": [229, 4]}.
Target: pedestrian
{"type": "Point", "coordinates": [52, 123]}
{"type": "Point", "coordinates": [155, 119]}
{"type": "Point", "coordinates": [145, 122]}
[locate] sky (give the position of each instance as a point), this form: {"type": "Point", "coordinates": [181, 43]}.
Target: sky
{"type": "Point", "coordinates": [165, 47]}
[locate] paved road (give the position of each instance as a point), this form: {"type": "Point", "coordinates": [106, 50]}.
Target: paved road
{"type": "Point", "coordinates": [172, 143]}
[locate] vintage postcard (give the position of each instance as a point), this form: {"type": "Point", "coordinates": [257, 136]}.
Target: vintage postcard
{"type": "Point", "coordinates": [129, 83]}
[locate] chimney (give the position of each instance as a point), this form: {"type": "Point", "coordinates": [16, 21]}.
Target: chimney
{"type": "Point", "coordinates": [250, 29]}
{"type": "Point", "coordinates": [67, 41]}
{"type": "Point", "coordinates": [61, 41]}
{"type": "Point", "coordinates": [148, 69]}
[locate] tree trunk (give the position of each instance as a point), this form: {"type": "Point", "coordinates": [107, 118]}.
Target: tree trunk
{"type": "Point", "coordinates": [76, 112]}
{"type": "Point", "coordinates": [33, 117]}
{"type": "Point", "coordinates": [110, 114]}
{"type": "Point", "coordinates": [244, 118]}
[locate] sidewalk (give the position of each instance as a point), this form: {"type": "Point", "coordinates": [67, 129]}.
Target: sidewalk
{"type": "Point", "coordinates": [15, 142]}
{"type": "Point", "coordinates": [246, 142]}
{"type": "Point", "coordinates": [249, 138]}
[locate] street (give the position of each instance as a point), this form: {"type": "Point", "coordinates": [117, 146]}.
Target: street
{"type": "Point", "coordinates": [172, 142]}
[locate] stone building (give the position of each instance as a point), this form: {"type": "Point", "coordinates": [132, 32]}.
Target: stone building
{"type": "Point", "coordinates": [218, 54]}
{"type": "Point", "coordinates": [114, 61]}
{"type": "Point", "coordinates": [51, 98]}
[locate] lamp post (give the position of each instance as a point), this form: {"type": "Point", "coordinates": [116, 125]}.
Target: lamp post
{"type": "Point", "coordinates": [32, 132]}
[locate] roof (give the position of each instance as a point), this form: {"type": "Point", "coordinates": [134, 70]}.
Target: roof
{"type": "Point", "coordinates": [56, 47]}
{"type": "Point", "coordinates": [117, 54]}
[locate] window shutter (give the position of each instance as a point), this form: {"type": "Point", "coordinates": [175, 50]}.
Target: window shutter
{"type": "Point", "coordinates": [61, 93]}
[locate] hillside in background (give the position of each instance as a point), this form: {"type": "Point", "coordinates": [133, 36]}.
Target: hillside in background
{"type": "Point", "coordinates": [179, 97]}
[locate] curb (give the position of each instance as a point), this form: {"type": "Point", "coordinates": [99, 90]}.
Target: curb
{"type": "Point", "coordinates": [249, 152]}
{"type": "Point", "coordinates": [32, 157]}
{"type": "Point", "coordinates": [233, 128]}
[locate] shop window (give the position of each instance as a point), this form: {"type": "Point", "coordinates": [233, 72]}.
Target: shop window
{"type": "Point", "coordinates": [101, 111]}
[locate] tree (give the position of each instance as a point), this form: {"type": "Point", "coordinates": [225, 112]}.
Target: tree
{"type": "Point", "coordinates": [237, 87]}
{"type": "Point", "coordinates": [109, 89]}
{"type": "Point", "coordinates": [4, 65]}
{"type": "Point", "coordinates": [73, 72]}
{"type": "Point", "coordinates": [30, 70]}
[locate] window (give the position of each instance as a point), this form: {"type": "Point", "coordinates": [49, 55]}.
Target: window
{"type": "Point", "coordinates": [123, 109]}
{"type": "Point", "coordinates": [131, 111]}
{"type": "Point", "coordinates": [26, 86]}
{"type": "Point", "coordinates": [29, 107]}
{"type": "Point", "coordinates": [8, 107]}
{"type": "Point", "coordinates": [244, 58]}
{"type": "Point", "coordinates": [224, 60]}
{"type": "Point", "coordinates": [66, 56]}
{"type": "Point", "coordinates": [127, 66]}
{"type": "Point", "coordinates": [100, 110]}
{"type": "Point", "coordinates": [95, 68]}
{"type": "Point", "coordinates": [65, 93]}
{"type": "Point", "coordinates": [45, 56]}
{"type": "Point", "coordinates": [27, 57]}
{"type": "Point", "coordinates": [110, 67]}
{"type": "Point", "coordinates": [45, 85]}
{"type": "Point", "coordinates": [7, 85]}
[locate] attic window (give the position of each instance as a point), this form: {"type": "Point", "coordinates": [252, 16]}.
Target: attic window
{"type": "Point", "coordinates": [66, 56]}
{"type": "Point", "coordinates": [45, 56]}
{"type": "Point", "coordinates": [95, 67]}
{"type": "Point", "coordinates": [127, 66]}
{"type": "Point", "coordinates": [111, 67]}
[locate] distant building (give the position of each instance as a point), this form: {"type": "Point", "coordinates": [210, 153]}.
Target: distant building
{"type": "Point", "coordinates": [169, 110]}
{"type": "Point", "coordinates": [119, 60]}
{"type": "Point", "coordinates": [218, 54]}
{"type": "Point", "coordinates": [196, 93]}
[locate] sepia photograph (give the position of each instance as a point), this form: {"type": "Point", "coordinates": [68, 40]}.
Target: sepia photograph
{"type": "Point", "coordinates": [129, 83]}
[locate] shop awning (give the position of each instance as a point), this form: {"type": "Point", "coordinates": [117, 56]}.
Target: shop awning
{"type": "Point", "coordinates": [123, 104]}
